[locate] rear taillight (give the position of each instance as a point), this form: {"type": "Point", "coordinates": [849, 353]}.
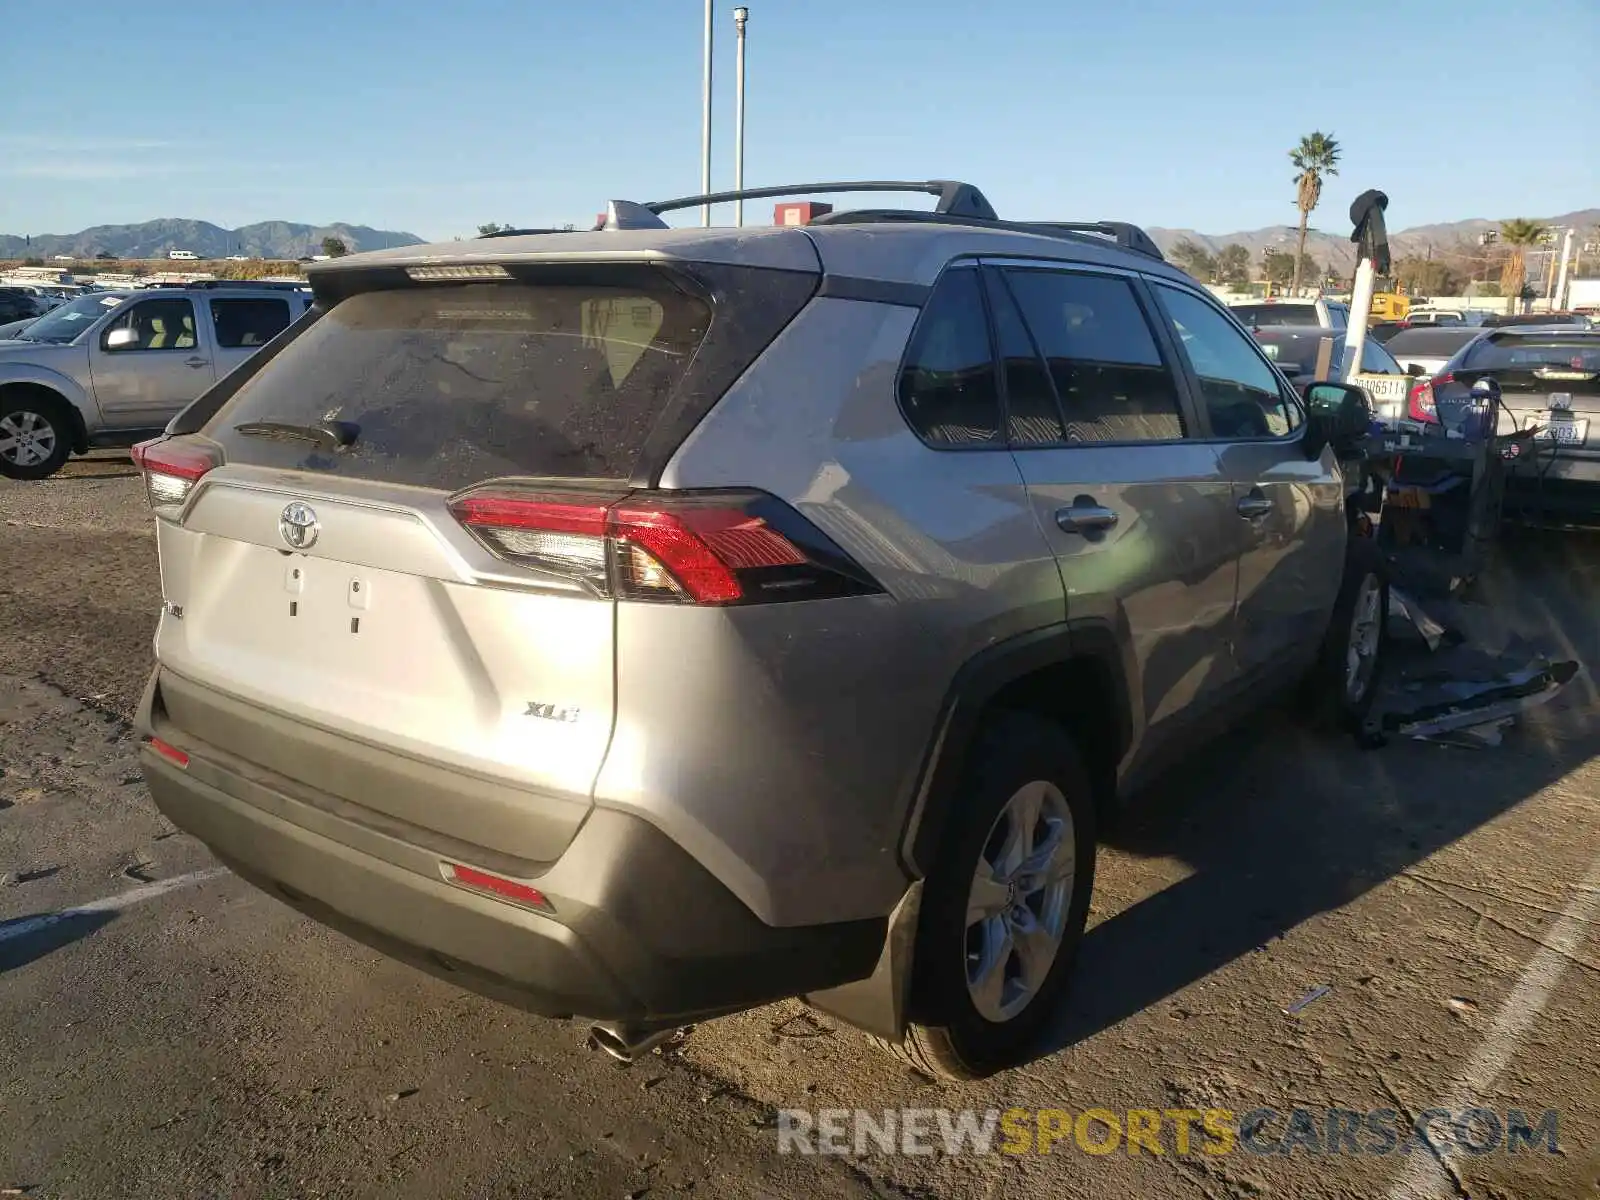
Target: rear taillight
{"type": "Point", "coordinates": [682, 548]}
{"type": "Point", "coordinates": [1419, 400]}
{"type": "Point", "coordinates": [171, 469]}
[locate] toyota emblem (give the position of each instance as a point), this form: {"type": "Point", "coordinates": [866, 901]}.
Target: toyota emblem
{"type": "Point", "coordinates": [298, 526]}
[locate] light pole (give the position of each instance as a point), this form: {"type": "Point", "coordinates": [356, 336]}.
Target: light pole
{"type": "Point", "coordinates": [740, 17]}
{"type": "Point", "coordinates": [705, 122]}
{"type": "Point", "coordinates": [1557, 301]}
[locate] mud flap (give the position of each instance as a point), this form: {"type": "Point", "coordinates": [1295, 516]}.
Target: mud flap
{"type": "Point", "coordinates": [877, 1004]}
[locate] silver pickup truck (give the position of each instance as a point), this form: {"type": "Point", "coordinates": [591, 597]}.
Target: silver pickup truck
{"type": "Point", "coordinates": [112, 368]}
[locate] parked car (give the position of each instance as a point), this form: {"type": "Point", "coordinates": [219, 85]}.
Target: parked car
{"type": "Point", "coordinates": [1319, 313]}
{"type": "Point", "coordinates": [1429, 348]}
{"type": "Point", "coordinates": [11, 328]}
{"type": "Point", "coordinates": [1580, 320]}
{"type": "Point", "coordinates": [524, 620]}
{"type": "Point", "coordinates": [1295, 349]}
{"type": "Point", "coordinates": [110, 368]}
{"type": "Point", "coordinates": [19, 304]}
{"type": "Point", "coordinates": [1547, 377]}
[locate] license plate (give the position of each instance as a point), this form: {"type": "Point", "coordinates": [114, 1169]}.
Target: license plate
{"type": "Point", "coordinates": [1384, 389]}
{"type": "Point", "coordinates": [1566, 433]}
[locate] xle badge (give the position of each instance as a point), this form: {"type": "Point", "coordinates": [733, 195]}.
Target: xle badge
{"type": "Point", "coordinates": [551, 712]}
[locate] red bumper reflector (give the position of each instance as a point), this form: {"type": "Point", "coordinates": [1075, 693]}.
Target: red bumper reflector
{"type": "Point", "coordinates": [169, 752]}
{"type": "Point", "coordinates": [495, 885]}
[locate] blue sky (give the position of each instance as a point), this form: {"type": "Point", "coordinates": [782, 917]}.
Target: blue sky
{"type": "Point", "coordinates": [435, 117]}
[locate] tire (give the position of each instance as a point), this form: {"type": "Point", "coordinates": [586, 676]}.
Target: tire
{"type": "Point", "coordinates": [964, 1030]}
{"type": "Point", "coordinates": [1344, 683]}
{"type": "Point", "coordinates": [35, 435]}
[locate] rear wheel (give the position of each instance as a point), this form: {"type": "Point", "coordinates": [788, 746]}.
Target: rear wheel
{"type": "Point", "coordinates": [1004, 908]}
{"type": "Point", "coordinates": [35, 436]}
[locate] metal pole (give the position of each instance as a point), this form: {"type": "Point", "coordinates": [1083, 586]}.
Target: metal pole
{"type": "Point", "coordinates": [740, 16]}
{"type": "Point", "coordinates": [705, 121]}
{"type": "Point", "coordinates": [1558, 301]}
{"type": "Point", "coordinates": [1355, 336]}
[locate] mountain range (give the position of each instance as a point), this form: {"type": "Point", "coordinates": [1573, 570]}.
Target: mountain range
{"type": "Point", "coordinates": [152, 239]}
{"type": "Point", "coordinates": [1340, 251]}
{"type": "Point", "coordinates": [287, 239]}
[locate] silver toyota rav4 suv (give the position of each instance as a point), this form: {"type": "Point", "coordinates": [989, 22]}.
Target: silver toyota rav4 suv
{"type": "Point", "coordinates": [645, 624]}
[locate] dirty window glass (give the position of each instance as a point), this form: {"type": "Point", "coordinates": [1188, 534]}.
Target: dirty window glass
{"type": "Point", "coordinates": [947, 387]}
{"type": "Point", "coordinates": [452, 385]}
{"type": "Point", "coordinates": [1101, 354]}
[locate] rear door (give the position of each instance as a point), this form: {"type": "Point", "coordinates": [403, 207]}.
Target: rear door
{"type": "Point", "coordinates": [1136, 509]}
{"type": "Point", "coordinates": [241, 325]}
{"type": "Point", "coordinates": [1287, 510]}
{"type": "Point", "coordinates": [149, 362]}
{"type": "Point", "coordinates": [350, 587]}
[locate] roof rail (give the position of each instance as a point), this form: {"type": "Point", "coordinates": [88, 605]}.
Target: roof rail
{"type": "Point", "coordinates": [956, 199]}
{"type": "Point", "coordinates": [518, 233]}
{"type": "Point", "coordinates": [1129, 237]}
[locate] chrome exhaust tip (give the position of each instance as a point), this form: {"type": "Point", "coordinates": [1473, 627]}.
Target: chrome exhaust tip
{"type": "Point", "coordinates": [628, 1043]}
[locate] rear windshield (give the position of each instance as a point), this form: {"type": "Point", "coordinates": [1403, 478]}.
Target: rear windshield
{"type": "Point", "coordinates": [1277, 314]}
{"type": "Point", "coordinates": [1431, 343]}
{"type": "Point", "coordinates": [450, 385]}
{"type": "Point", "coordinates": [1560, 354]}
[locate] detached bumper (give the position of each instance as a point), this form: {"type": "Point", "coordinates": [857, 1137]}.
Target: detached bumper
{"type": "Point", "coordinates": [637, 929]}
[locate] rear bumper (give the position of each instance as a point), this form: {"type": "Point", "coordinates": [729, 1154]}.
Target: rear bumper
{"type": "Point", "coordinates": [638, 930]}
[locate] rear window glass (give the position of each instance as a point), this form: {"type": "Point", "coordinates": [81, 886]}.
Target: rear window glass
{"type": "Point", "coordinates": [1435, 343]}
{"type": "Point", "coordinates": [1277, 314]}
{"type": "Point", "coordinates": [452, 385]}
{"type": "Point", "coordinates": [1515, 353]}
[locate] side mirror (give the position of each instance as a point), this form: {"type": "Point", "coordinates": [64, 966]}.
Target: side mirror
{"type": "Point", "coordinates": [122, 339]}
{"type": "Point", "coordinates": [1414, 370]}
{"type": "Point", "coordinates": [1337, 415]}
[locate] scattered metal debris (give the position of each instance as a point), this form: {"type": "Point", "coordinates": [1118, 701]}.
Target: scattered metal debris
{"type": "Point", "coordinates": [1404, 605]}
{"type": "Point", "coordinates": [1311, 997]}
{"type": "Point", "coordinates": [1493, 703]}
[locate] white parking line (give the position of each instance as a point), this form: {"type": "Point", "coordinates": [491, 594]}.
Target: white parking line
{"type": "Point", "coordinates": [121, 900]}
{"type": "Point", "coordinates": [1423, 1178]}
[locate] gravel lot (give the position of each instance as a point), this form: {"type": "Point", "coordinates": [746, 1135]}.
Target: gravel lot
{"type": "Point", "coordinates": [206, 1041]}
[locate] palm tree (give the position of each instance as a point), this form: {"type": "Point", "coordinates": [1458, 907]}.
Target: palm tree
{"type": "Point", "coordinates": [1317, 155]}
{"type": "Point", "coordinates": [1518, 234]}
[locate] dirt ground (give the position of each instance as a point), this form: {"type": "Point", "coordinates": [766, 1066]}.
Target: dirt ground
{"type": "Point", "coordinates": [167, 1031]}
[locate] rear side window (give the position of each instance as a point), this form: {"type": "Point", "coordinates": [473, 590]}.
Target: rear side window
{"type": "Point", "coordinates": [456, 384]}
{"type": "Point", "coordinates": [947, 386]}
{"type": "Point", "coordinates": [1101, 354]}
{"type": "Point", "coordinates": [242, 324]}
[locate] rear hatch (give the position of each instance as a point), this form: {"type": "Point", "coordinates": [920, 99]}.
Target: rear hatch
{"type": "Point", "coordinates": [407, 639]}
{"type": "Point", "coordinates": [1547, 379]}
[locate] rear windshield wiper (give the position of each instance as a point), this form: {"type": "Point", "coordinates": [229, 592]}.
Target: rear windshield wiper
{"type": "Point", "coordinates": [330, 435]}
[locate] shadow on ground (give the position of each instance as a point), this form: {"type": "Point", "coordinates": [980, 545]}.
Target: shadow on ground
{"type": "Point", "coordinates": [1280, 824]}
{"type": "Point", "coordinates": [27, 939]}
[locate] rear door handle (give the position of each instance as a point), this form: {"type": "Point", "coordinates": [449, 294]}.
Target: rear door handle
{"type": "Point", "coordinates": [1085, 516]}
{"type": "Point", "coordinates": [1254, 506]}
{"type": "Point", "coordinates": [197, 361]}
